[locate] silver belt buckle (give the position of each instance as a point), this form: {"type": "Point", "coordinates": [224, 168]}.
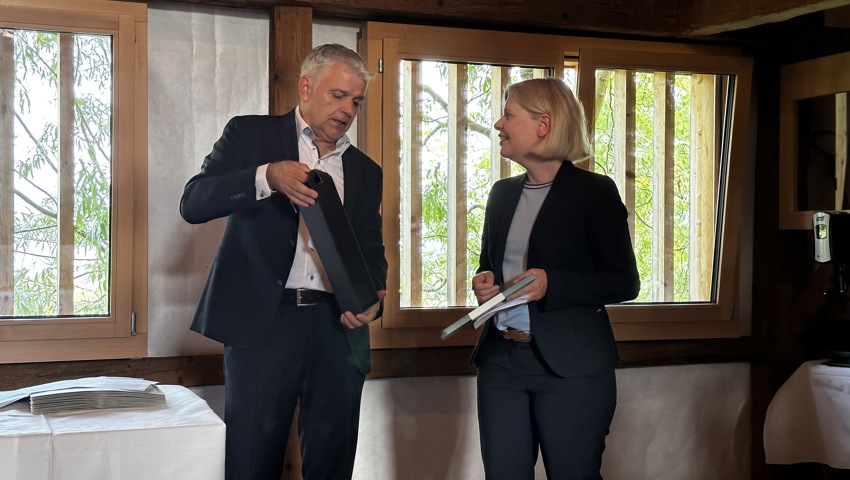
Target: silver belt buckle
{"type": "Point", "coordinates": [298, 301]}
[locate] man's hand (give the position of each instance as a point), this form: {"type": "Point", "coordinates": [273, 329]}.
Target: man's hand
{"type": "Point", "coordinates": [288, 177]}
{"type": "Point", "coordinates": [353, 321]}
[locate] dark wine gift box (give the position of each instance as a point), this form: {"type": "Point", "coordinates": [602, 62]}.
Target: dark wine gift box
{"type": "Point", "coordinates": [337, 246]}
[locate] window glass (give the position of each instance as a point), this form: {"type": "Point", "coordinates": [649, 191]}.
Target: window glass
{"type": "Point", "coordinates": [659, 135]}
{"type": "Point", "coordinates": [449, 159]}
{"type": "Point", "coordinates": [60, 171]}
{"type": "Point", "coordinates": [653, 133]}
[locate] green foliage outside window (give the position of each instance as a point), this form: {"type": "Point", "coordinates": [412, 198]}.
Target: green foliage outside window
{"type": "Point", "coordinates": [435, 195]}
{"type": "Point", "coordinates": [434, 130]}
{"type": "Point", "coordinates": [37, 166]}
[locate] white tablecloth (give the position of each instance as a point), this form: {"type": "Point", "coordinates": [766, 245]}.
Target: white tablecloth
{"type": "Point", "coordinates": [184, 441]}
{"type": "Point", "coordinates": [808, 419]}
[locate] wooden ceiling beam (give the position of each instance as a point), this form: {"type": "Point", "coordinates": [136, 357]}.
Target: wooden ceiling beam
{"type": "Point", "coordinates": [656, 18]}
{"type": "Point", "coordinates": [634, 17]}
{"type": "Point", "coordinates": [837, 17]}
{"type": "Point", "coordinates": [709, 17]}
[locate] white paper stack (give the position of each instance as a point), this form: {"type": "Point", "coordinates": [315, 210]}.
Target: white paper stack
{"type": "Point", "coordinates": [88, 394]}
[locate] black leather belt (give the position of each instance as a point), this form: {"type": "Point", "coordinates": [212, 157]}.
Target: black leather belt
{"type": "Point", "coordinates": [303, 297]}
{"type": "Point", "coordinates": [515, 335]}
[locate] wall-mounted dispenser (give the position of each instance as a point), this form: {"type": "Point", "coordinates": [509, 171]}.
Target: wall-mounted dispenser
{"type": "Point", "coordinates": [832, 236]}
{"type": "Point", "coordinates": [832, 242]}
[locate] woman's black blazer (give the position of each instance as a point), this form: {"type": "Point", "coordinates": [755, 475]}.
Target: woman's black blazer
{"type": "Point", "coordinates": [581, 240]}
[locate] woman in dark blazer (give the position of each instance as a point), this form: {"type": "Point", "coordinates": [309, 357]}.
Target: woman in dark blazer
{"type": "Point", "coordinates": [546, 376]}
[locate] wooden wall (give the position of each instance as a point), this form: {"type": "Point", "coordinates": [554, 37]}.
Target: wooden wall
{"type": "Point", "coordinates": [796, 307]}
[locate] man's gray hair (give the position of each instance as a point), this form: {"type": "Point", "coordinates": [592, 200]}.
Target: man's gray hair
{"type": "Point", "coordinates": [329, 54]}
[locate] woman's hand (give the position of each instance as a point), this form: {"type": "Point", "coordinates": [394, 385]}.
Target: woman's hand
{"type": "Point", "coordinates": [483, 286]}
{"type": "Point", "coordinates": [535, 290]}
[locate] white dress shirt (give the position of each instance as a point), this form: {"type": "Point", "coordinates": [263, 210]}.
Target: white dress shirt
{"type": "Point", "coordinates": [307, 270]}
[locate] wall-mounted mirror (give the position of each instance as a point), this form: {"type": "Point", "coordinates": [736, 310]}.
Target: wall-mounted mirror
{"type": "Point", "coordinates": [813, 139]}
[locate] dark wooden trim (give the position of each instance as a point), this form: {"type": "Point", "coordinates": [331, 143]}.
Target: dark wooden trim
{"type": "Point", "coordinates": [685, 352]}
{"type": "Point", "coordinates": [189, 371]}
{"type": "Point", "coordinates": [194, 371]}
{"type": "Point", "coordinates": [658, 18]}
{"type": "Point", "coordinates": [411, 362]}
{"type": "Point", "coordinates": [422, 362]}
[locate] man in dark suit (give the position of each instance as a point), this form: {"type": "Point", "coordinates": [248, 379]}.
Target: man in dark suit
{"type": "Point", "coordinates": [267, 297]}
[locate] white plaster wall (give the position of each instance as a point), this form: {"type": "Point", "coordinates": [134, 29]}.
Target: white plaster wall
{"type": "Point", "coordinates": [672, 423]}
{"type": "Point", "coordinates": [681, 422]}
{"type": "Point", "coordinates": [205, 65]}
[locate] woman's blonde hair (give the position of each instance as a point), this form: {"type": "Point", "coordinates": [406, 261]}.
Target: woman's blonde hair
{"type": "Point", "coordinates": [567, 138]}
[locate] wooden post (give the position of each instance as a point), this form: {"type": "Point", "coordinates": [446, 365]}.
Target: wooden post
{"type": "Point", "coordinates": [291, 41]}
{"type": "Point", "coordinates": [67, 172]}
{"type": "Point", "coordinates": [840, 148]}
{"type": "Point", "coordinates": [7, 163]}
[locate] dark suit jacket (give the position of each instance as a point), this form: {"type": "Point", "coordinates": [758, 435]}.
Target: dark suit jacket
{"type": "Point", "coordinates": [243, 290]}
{"type": "Point", "coordinates": [581, 239]}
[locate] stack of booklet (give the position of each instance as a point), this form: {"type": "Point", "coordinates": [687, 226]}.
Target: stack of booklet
{"type": "Point", "coordinates": [490, 307]}
{"type": "Point", "coordinates": [88, 394]}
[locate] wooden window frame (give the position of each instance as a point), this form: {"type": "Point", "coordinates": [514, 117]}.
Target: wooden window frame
{"type": "Point", "coordinates": [807, 80]}
{"type": "Point", "coordinates": [383, 45]}
{"type": "Point", "coordinates": [123, 333]}
{"type": "Point", "coordinates": [720, 318]}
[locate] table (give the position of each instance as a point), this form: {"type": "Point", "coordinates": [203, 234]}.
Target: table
{"type": "Point", "coordinates": [808, 419]}
{"type": "Point", "coordinates": [184, 441]}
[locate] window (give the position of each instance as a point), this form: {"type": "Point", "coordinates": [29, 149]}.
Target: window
{"type": "Point", "coordinates": [655, 134]}
{"type": "Point", "coordinates": [671, 130]}
{"type": "Point", "coordinates": [73, 170]}
{"type": "Point", "coordinates": [664, 120]}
